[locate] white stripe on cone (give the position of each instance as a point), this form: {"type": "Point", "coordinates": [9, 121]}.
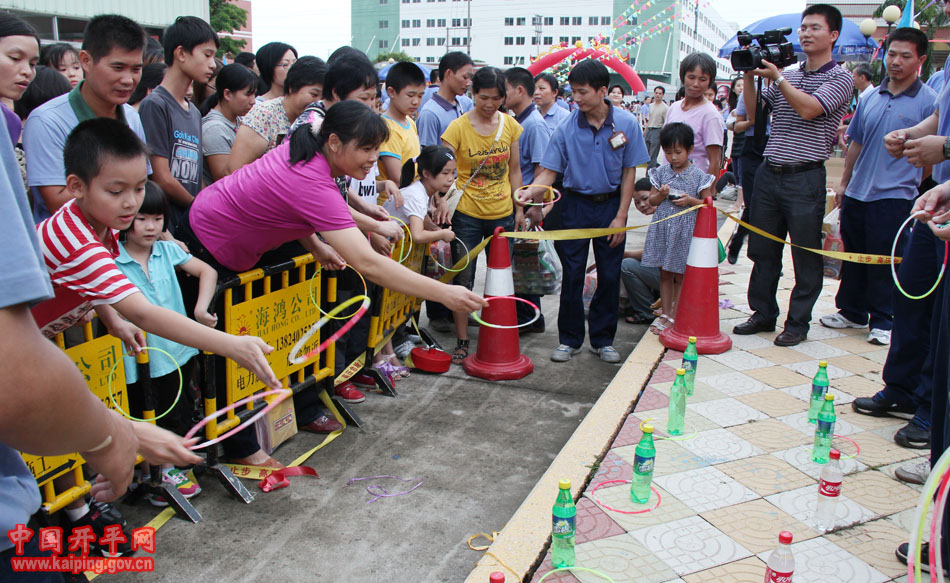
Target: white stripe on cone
{"type": "Point", "coordinates": [703, 252]}
{"type": "Point", "coordinates": [499, 282]}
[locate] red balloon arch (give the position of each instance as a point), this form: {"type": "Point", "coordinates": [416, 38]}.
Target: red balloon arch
{"type": "Point", "coordinates": [578, 53]}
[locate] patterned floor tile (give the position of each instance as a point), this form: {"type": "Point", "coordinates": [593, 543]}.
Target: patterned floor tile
{"type": "Point", "coordinates": [718, 445]}
{"type": "Point", "coordinates": [707, 367]}
{"type": "Point", "coordinates": [734, 383]}
{"type": "Point", "coordinates": [800, 422]}
{"type": "Point", "coordinates": [622, 558]}
{"type": "Point", "coordinates": [878, 451]}
{"type": "Point", "coordinates": [777, 376]}
{"type": "Point", "coordinates": [803, 392]}
{"type": "Point", "coordinates": [671, 457]}
{"type": "Point", "coordinates": [773, 403]}
{"type": "Point", "coordinates": [819, 560]}
{"type": "Point", "coordinates": [778, 354]}
{"type": "Point", "coordinates": [874, 543]}
{"type": "Point", "coordinates": [809, 367]}
{"type": "Point", "coordinates": [879, 493]}
{"type": "Point", "coordinates": [740, 360]}
{"type": "Point", "coordinates": [652, 399]}
{"type": "Point", "coordinates": [867, 422]}
{"type": "Point", "coordinates": [857, 386]}
{"type": "Point", "coordinates": [800, 503]}
{"type": "Point", "coordinates": [818, 350]}
{"type": "Point", "coordinates": [879, 355]}
{"type": "Point", "coordinates": [593, 523]}
{"type": "Point", "coordinates": [701, 391]}
{"type": "Point", "coordinates": [766, 474]}
{"type": "Point", "coordinates": [770, 435]}
{"type": "Point", "coordinates": [891, 468]}
{"type": "Point", "coordinates": [629, 432]}
{"type": "Point", "coordinates": [617, 498]}
{"type": "Point", "coordinates": [664, 372]}
{"type": "Point", "coordinates": [545, 568]}
{"type": "Point", "coordinates": [856, 364]}
{"type": "Point", "coordinates": [658, 417]}
{"type": "Point", "coordinates": [874, 377]}
{"type": "Point", "coordinates": [754, 524]}
{"type": "Point", "coordinates": [727, 412]}
{"type": "Point", "coordinates": [612, 467]}
{"type": "Point", "coordinates": [671, 354]}
{"type": "Point", "coordinates": [690, 545]}
{"type": "Point", "coordinates": [800, 459]}
{"type": "Point", "coordinates": [705, 489]}
{"type": "Point", "coordinates": [820, 333]}
{"type": "Point", "coordinates": [749, 570]}
{"type": "Point", "coordinates": [751, 342]}
{"type": "Point", "coordinates": [905, 520]}
{"type": "Point", "coordinates": [852, 344]}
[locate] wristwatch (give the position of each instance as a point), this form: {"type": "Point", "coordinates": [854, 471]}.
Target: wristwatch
{"type": "Point", "coordinates": [779, 80]}
{"type": "Point", "coordinates": [946, 149]}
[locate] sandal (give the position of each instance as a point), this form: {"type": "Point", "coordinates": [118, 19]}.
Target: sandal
{"type": "Point", "coordinates": [661, 324]}
{"type": "Point", "coordinates": [638, 318]}
{"type": "Point", "coordinates": [461, 351]}
{"type": "Point", "coordinates": [399, 368]}
{"type": "Point", "coordinates": [387, 370]}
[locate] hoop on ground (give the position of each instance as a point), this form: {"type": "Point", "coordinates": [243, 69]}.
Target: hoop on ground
{"type": "Point", "coordinates": [191, 432]}
{"type": "Point", "coordinates": [317, 304]}
{"type": "Point", "coordinates": [852, 442]}
{"type": "Point", "coordinates": [181, 382]}
{"type": "Point", "coordinates": [537, 313]}
{"type": "Point", "coordinates": [653, 489]}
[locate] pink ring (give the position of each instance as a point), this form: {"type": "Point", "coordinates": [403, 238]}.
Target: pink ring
{"type": "Point", "coordinates": [249, 422]}
{"type": "Point", "coordinates": [852, 442]}
{"type": "Point", "coordinates": [601, 504]}
{"type": "Point", "coordinates": [537, 313]}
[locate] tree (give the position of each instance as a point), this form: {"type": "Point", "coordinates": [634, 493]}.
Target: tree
{"type": "Point", "coordinates": [394, 55]}
{"type": "Point", "coordinates": [930, 19]}
{"type": "Point", "coordinates": [226, 17]}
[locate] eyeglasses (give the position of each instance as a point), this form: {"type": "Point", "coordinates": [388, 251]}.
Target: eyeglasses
{"type": "Point", "coordinates": [285, 64]}
{"type": "Point", "coordinates": [812, 28]}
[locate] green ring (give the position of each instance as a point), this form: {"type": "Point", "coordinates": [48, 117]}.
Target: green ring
{"type": "Point", "coordinates": [181, 383]}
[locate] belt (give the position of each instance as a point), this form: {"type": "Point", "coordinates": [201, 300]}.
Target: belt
{"type": "Point", "coordinates": [793, 168]}
{"type": "Point", "coordinates": [594, 197]}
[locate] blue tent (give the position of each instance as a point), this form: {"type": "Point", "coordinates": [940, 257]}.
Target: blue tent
{"type": "Point", "coordinates": [385, 70]}
{"type": "Point", "coordinates": [851, 44]}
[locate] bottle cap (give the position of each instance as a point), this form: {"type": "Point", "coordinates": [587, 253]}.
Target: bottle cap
{"type": "Point", "coordinates": [680, 371]}
{"type": "Point", "coordinates": [564, 484]}
{"type": "Point", "coordinates": [496, 577]}
{"type": "Point", "coordinates": [785, 537]}
{"type": "Point", "coordinates": [835, 454]}
{"type": "Point", "coordinates": [647, 428]}
{"type": "Point", "coordinates": [829, 397]}
{"type": "Point", "coordinates": [823, 363]}
{"type": "Point", "coordinates": [692, 339]}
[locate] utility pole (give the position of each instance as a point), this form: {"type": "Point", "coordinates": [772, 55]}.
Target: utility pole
{"type": "Point", "coordinates": [537, 34]}
{"type": "Point", "coordinates": [468, 42]}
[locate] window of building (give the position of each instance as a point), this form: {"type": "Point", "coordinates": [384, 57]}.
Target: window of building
{"type": "Point", "coordinates": [405, 42]}
{"type": "Point", "coordinates": [549, 40]}
{"type": "Point", "coordinates": [509, 60]}
{"type": "Point", "coordinates": [384, 44]}
{"type": "Point", "coordinates": [405, 24]}
{"type": "Point", "coordinates": [416, 41]}
{"type": "Point", "coordinates": [383, 24]}
{"type": "Point", "coordinates": [521, 20]}
{"type": "Point", "coordinates": [577, 21]}
{"type": "Point", "coordinates": [384, 1]}
{"type": "Point", "coordinates": [534, 41]}
{"type": "Point", "coordinates": [441, 23]}
{"type": "Point", "coordinates": [456, 22]}
{"type": "Point", "coordinates": [430, 42]}
{"type": "Point", "coordinates": [519, 40]}
{"type": "Point", "coordinates": [509, 21]}
{"type": "Point", "coordinates": [548, 21]}
{"type": "Point", "coordinates": [565, 21]}
{"type": "Point", "coordinates": [604, 20]}
{"type": "Point", "coordinates": [574, 39]}
{"type": "Point", "coordinates": [593, 20]}
{"type": "Point", "coordinates": [563, 39]}
{"type": "Point", "coordinates": [535, 20]}
{"type": "Point", "coordinates": [441, 42]}
{"type": "Point", "coordinates": [430, 22]}
{"type": "Point", "coordinates": [432, 59]}
{"type": "Point", "coordinates": [416, 23]}
{"type": "Point", "coordinates": [509, 40]}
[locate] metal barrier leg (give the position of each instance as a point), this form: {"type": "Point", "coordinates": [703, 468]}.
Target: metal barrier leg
{"type": "Point", "coordinates": [155, 486]}
{"type": "Point", "coordinates": [232, 483]}
{"type": "Point", "coordinates": [382, 382]}
{"type": "Point", "coordinates": [348, 414]}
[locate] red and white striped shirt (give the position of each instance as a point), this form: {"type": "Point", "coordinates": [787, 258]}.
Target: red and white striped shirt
{"type": "Point", "coordinates": [81, 267]}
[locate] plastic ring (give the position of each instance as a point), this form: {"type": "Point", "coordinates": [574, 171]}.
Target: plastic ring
{"type": "Point", "coordinates": [336, 335]}
{"type": "Point", "coordinates": [946, 251]}
{"type": "Point", "coordinates": [601, 504]}
{"type": "Point", "coordinates": [555, 194]}
{"type": "Point", "coordinates": [181, 383]}
{"type": "Point", "coordinates": [191, 432]}
{"type": "Point", "coordinates": [317, 304]}
{"type": "Point", "coordinates": [852, 442]}
{"type": "Point", "coordinates": [468, 260]}
{"type": "Point", "coordinates": [402, 243]}
{"type": "Point", "coordinates": [537, 313]}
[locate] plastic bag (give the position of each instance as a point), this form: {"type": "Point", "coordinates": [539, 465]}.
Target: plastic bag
{"type": "Point", "coordinates": [831, 227]}
{"type": "Point", "coordinates": [440, 251]}
{"type": "Point", "coordinates": [536, 268]}
{"type": "Point", "coordinates": [590, 286]}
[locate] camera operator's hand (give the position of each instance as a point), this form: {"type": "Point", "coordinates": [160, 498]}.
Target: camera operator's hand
{"type": "Point", "coordinates": [935, 204]}
{"type": "Point", "coordinates": [894, 143]}
{"type": "Point", "coordinates": [768, 71]}
{"type": "Point", "coordinates": [925, 151]}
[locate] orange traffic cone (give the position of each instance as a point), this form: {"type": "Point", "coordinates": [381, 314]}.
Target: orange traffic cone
{"type": "Point", "coordinates": [697, 309]}
{"type": "Point", "coordinates": [498, 356]}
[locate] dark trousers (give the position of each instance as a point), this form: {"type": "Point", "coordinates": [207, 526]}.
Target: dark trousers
{"type": "Point", "coordinates": [30, 549]}
{"type": "Point", "coordinates": [179, 418]}
{"type": "Point", "coordinates": [652, 140]}
{"type": "Point", "coordinates": [909, 368]}
{"type": "Point", "coordinates": [747, 167]}
{"type": "Point", "coordinates": [869, 227]}
{"type": "Point", "coordinates": [793, 205]}
{"type": "Point", "coordinates": [579, 212]}
{"type": "Point", "coordinates": [940, 428]}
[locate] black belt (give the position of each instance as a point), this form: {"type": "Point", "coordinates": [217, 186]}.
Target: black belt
{"type": "Point", "coordinates": [594, 197]}
{"type": "Point", "coordinates": [793, 168]}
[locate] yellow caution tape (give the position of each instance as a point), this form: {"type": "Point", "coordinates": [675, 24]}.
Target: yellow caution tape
{"type": "Point", "coordinates": [571, 234]}
{"type": "Point", "coordinates": [480, 548]}
{"type": "Point", "coordinates": [336, 415]}
{"type": "Point", "coordinates": [250, 472]}
{"type": "Point", "coordinates": [472, 254]}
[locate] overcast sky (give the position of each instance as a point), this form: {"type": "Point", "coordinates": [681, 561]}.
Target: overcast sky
{"type": "Point", "coordinates": [317, 28]}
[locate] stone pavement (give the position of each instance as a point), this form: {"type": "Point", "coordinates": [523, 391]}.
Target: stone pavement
{"type": "Point", "coordinates": [743, 471]}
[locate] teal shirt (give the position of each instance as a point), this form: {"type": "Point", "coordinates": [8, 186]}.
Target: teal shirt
{"type": "Point", "coordinates": [161, 288]}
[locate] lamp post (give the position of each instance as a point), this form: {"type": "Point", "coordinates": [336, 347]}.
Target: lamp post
{"type": "Point", "coordinates": [891, 15]}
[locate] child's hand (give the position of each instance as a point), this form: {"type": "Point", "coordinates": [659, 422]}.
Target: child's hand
{"type": "Point", "coordinates": [392, 191]}
{"type": "Point", "coordinates": [665, 190]}
{"type": "Point", "coordinates": [381, 244]}
{"type": "Point", "coordinates": [391, 230]}
{"type": "Point", "coordinates": [130, 335]}
{"type": "Point", "coordinates": [377, 212]}
{"type": "Point", "coordinates": [249, 351]}
{"type": "Point", "coordinates": [685, 201]}
{"type": "Point", "coordinates": [447, 235]}
{"type": "Point", "coordinates": [203, 317]}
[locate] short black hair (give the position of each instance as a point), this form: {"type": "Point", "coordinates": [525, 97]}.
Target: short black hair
{"type": "Point", "coordinates": [661, 89]}
{"type": "Point", "coordinates": [153, 203]}
{"type": "Point", "coordinates": [233, 78]}
{"type": "Point", "coordinates": [434, 76]}
{"type": "Point", "coordinates": [592, 73]}
{"type": "Point", "coordinates": [453, 62]}
{"type": "Point", "coordinates": [489, 78]}
{"type": "Point", "coordinates": [617, 86]}
{"type": "Point", "coordinates": [106, 32]}
{"type": "Point", "coordinates": [53, 55]}
{"type": "Point", "coordinates": [643, 184]}
{"type": "Point", "coordinates": [94, 140]}
{"type": "Point", "coordinates": [154, 53]}
{"type": "Point", "coordinates": [431, 159]}
{"type": "Point", "coordinates": [152, 76]}
{"type": "Point", "coordinates": [701, 61]}
{"type": "Point", "coordinates": [831, 15]}
{"type": "Point", "coordinates": [403, 74]}
{"type": "Point", "coordinates": [307, 70]}
{"type": "Point", "coordinates": [550, 79]}
{"type": "Point", "coordinates": [267, 58]}
{"type": "Point", "coordinates": [865, 71]}
{"type": "Point", "coordinates": [348, 74]}
{"type": "Point", "coordinates": [245, 58]}
{"type": "Point", "coordinates": [520, 77]}
{"type": "Point", "coordinates": [349, 120]}
{"type": "Point", "coordinates": [906, 34]}
{"type": "Point", "coordinates": [346, 51]}
{"type": "Point", "coordinates": [11, 25]}
{"type": "Point", "coordinates": [187, 32]}
{"type": "Point", "coordinates": [676, 134]}
{"type": "Point", "coordinates": [47, 84]}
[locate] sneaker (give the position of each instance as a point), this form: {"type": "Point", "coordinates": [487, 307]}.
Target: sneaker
{"type": "Point", "coordinates": [323, 424]}
{"type": "Point", "coordinates": [606, 353]}
{"type": "Point", "coordinates": [879, 337]}
{"type": "Point", "coordinates": [415, 339]}
{"type": "Point", "coordinates": [876, 406]}
{"type": "Point", "coordinates": [403, 350]}
{"type": "Point", "coordinates": [563, 353]}
{"type": "Point", "coordinates": [903, 550]}
{"type": "Point", "coordinates": [839, 321]}
{"type": "Point", "coordinates": [99, 519]}
{"type": "Point", "coordinates": [349, 393]}
{"type": "Point", "coordinates": [442, 325]}
{"type": "Point", "coordinates": [914, 472]}
{"type": "Point", "coordinates": [364, 381]}
{"type": "Point", "coordinates": [178, 478]}
{"type": "Point", "coordinates": [914, 435]}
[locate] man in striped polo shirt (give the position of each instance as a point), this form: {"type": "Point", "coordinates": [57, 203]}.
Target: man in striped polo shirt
{"type": "Point", "coordinates": [807, 104]}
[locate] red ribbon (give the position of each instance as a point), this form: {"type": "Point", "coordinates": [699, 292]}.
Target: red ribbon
{"type": "Point", "coordinates": [279, 479]}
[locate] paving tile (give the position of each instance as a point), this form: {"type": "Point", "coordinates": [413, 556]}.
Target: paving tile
{"type": "Point", "coordinates": [727, 412]}
{"type": "Point", "coordinates": [778, 354]}
{"type": "Point", "coordinates": [891, 468]}
{"type": "Point", "coordinates": [546, 567]}
{"type": "Point", "coordinates": [857, 386]}
{"type": "Point", "coordinates": [856, 364]}
{"type": "Point", "coordinates": [874, 543]}
{"type": "Point", "coordinates": [734, 383]}
{"type": "Point", "coordinates": [873, 376]}
{"type": "Point", "coordinates": [740, 360]}
{"type": "Point", "coordinates": [819, 560]}
{"type": "Point", "coordinates": [803, 392]}
{"type": "Point", "coordinates": [905, 520]}
{"type": "Point", "coordinates": [853, 344]}
{"type": "Point", "coordinates": [801, 503]}
{"type": "Point", "coordinates": [770, 435]}
{"type": "Point", "coordinates": [777, 376]}
{"type": "Point", "coordinates": [706, 366]}
{"type": "Point", "coordinates": [848, 414]}
{"type": "Point", "coordinates": [750, 570]}
{"type": "Point", "coordinates": [593, 523]}
{"type": "Point", "coordinates": [879, 355]}
{"type": "Point", "coordinates": [808, 368]}
{"type": "Point", "coordinates": [819, 332]}
{"type": "Point", "coordinates": [754, 524]}
{"type": "Point", "coordinates": [629, 432]}
{"type": "Point", "coordinates": [750, 342]}
{"type": "Point", "coordinates": [878, 451]}
{"type": "Point", "coordinates": [879, 493]}
{"type": "Point", "coordinates": [659, 417]}
{"type": "Point", "coordinates": [773, 403]}
{"type": "Point", "coordinates": [765, 474]}
{"type": "Point", "coordinates": [616, 503]}
{"type": "Point", "coordinates": [622, 558]}
{"type": "Point", "coordinates": [705, 489]}
{"type": "Point", "coordinates": [671, 457]}
{"type": "Point", "coordinates": [664, 372]}
{"type": "Point", "coordinates": [651, 398]}
{"type": "Point", "coordinates": [800, 422]}
{"type": "Point", "coordinates": [701, 391]}
{"type": "Point", "coordinates": [818, 350]}
{"type": "Point", "coordinates": [690, 544]}
{"type": "Point", "coordinates": [671, 354]}
{"type": "Point", "coordinates": [718, 445]}
{"type": "Point", "coordinates": [800, 459]}
{"type": "Point", "coordinates": [612, 467]}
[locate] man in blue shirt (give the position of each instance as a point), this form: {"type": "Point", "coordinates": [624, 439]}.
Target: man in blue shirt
{"type": "Point", "coordinates": [598, 149]}
{"type": "Point", "coordinates": [431, 90]}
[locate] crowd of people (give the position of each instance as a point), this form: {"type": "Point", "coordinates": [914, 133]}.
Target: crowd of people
{"type": "Point", "coordinates": [138, 174]}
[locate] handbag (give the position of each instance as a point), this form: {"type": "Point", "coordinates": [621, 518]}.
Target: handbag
{"type": "Point", "coordinates": [454, 194]}
{"type": "Point", "coordinates": [536, 268]}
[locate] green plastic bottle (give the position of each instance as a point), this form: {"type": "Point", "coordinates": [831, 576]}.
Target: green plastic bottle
{"type": "Point", "coordinates": [824, 430]}
{"type": "Point", "coordinates": [677, 411]}
{"type": "Point", "coordinates": [690, 362]}
{"type": "Point", "coordinates": [819, 386]}
{"type": "Point", "coordinates": [643, 461]}
{"type": "Point", "coordinates": [562, 533]}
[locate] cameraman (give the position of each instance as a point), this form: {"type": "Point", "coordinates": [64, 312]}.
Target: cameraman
{"type": "Point", "coordinates": [807, 107]}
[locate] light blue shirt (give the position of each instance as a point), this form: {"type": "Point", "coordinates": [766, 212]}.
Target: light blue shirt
{"type": "Point", "coordinates": [533, 141]}
{"type": "Point", "coordinates": [555, 116]}
{"type": "Point", "coordinates": [877, 175]}
{"type": "Point", "coordinates": [436, 115]}
{"type": "Point", "coordinates": [161, 288]}
{"type": "Point", "coordinates": [426, 95]}
{"type": "Point", "coordinates": [750, 131]}
{"type": "Point", "coordinates": [585, 156]}
{"type": "Point", "coordinates": [936, 81]}
{"type": "Point", "coordinates": [941, 172]}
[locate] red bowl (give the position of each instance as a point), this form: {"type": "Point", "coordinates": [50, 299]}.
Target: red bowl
{"type": "Point", "coordinates": [430, 360]}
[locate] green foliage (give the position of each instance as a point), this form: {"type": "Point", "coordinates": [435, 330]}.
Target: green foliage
{"type": "Point", "coordinates": [394, 55]}
{"type": "Point", "coordinates": [227, 17]}
{"type": "Point", "coordinates": [930, 19]}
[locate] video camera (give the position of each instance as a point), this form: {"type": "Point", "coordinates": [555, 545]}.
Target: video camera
{"type": "Point", "coordinates": [773, 47]}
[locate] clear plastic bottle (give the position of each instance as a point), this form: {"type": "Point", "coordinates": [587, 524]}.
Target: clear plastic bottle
{"type": "Point", "coordinates": [690, 362]}
{"type": "Point", "coordinates": [824, 431]}
{"type": "Point", "coordinates": [564, 527]}
{"type": "Point", "coordinates": [781, 563]}
{"type": "Point", "coordinates": [829, 487]}
{"type": "Point", "coordinates": [644, 458]}
{"type": "Point", "coordinates": [677, 409]}
{"type": "Point", "coordinates": [819, 386]}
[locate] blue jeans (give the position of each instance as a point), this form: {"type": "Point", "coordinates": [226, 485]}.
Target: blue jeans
{"type": "Point", "coordinates": [471, 231]}
{"type": "Point", "coordinates": [642, 285]}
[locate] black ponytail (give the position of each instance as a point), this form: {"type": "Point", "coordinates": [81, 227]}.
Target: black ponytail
{"type": "Point", "coordinates": [431, 159]}
{"type": "Point", "coordinates": [349, 120]}
{"type": "Point", "coordinates": [234, 78]}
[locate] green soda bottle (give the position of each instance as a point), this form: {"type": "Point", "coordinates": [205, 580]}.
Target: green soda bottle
{"type": "Point", "coordinates": [562, 533]}
{"type": "Point", "coordinates": [824, 430]}
{"type": "Point", "coordinates": [677, 412]}
{"type": "Point", "coordinates": [819, 386]}
{"type": "Point", "coordinates": [690, 362]}
{"type": "Point", "coordinates": [643, 467]}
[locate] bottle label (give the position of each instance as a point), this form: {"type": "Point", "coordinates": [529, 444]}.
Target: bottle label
{"type": "Point", "coordinates": [776, 577]}
{"type": "Point", "coordinates": [818, 391]}
{"type": "Point", "coordinates": [643, 465]}
{"type": "Point", "coordinates": [563, 526]}
{"type": "Point", "coordinates": [689, 365]}
{"type": "Point", "coordinates": [830, 489]}
{"type": "Point", "coordinates": [825, 428]}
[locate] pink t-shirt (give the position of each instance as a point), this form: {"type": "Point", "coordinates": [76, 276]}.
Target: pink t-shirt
{"type": "Point", "coordinates": [708, 129]}
{"type": "Point", "coordinates": [265, 204]}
